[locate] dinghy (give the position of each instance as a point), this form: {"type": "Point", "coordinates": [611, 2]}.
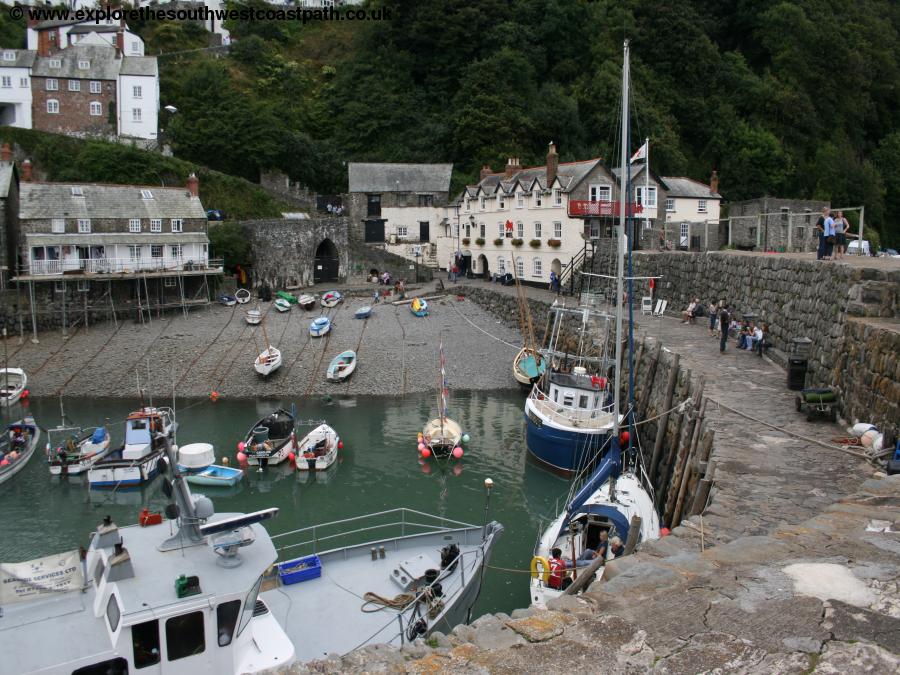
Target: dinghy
{"type": "Point", "coordinates": [419, 307]}
{"type": "Point", "coordinates": [17, 445]}
{"type": "Point", "coordinates": [528, 366]}
{"type": "Point", "coordinates": [441, 435]}
{"type": "Point", "coordinates": [364, 312]}
{"type": "Point", "coordinates": [216, 475]}
{"type": "Point", "coordinates": [253, 317]}
{"type": "Point", "coordinates": [320, 326]}
{"type": "Point", "coordinates": [342, 366]}
{"type": "Point", "coordinates": [307, 301]}
{"type": "Point", "coordinates": [242, 296]}
{"type": "Point", "coordinates": [227, 300]}
{"type": "Point", "coordinates": [331, 298]}
{"type": "Point", "coordinates": [268, 361]}
{"type": "Point", "coordinates": [287, 297]}
{"type": "Point", "coordinates": [318, 449]}
{"type": "Point", "coordinates": [79, 452]}
{"type": "Point", "coordinates": [12, 383]}
{"type": "Point", "coordinates": [282, 305]}
{"type": "Point", "coordinates": [195, 461]}
{"type": "Point", "coordinates": [270, 440]}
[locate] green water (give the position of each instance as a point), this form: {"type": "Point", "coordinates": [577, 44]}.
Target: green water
{"type": "Point", "coordinates": [378, 469]}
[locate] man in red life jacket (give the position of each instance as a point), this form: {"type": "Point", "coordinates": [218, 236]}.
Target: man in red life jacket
{"type": "Point", "coordinates": [558, 578]}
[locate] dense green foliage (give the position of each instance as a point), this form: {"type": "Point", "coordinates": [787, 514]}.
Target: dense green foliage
{"type": "Point", "coordinates": [62, 158]}
{"type": "Point", "coordinates": [796, 99]}
{"type": "Point", "coordinates": [228, 241]}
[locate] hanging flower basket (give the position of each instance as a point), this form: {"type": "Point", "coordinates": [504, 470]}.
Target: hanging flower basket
{"type": "Point", "coordinates": [465, 241]}
{"type": "Point", "coordinates": [479, 241]}
{"type": "Point", "coordinates": [555, 243]}
{"type": "Point", "coordinates": [498, 241]}
{"type": "Point", "coordinates": [535, 243]}
{"type": "Point", "coordinates": [517, 242]}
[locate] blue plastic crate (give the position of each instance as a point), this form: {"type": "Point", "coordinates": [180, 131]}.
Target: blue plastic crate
{"type": "Point", "coordinates": [301, 569]}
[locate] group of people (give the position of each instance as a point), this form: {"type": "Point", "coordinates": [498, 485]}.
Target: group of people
{"type": "Point", "coordinates": [832, 233]}
{"type": "Point", "coordinates": [606, 546]}
{"type": "Point", "coordinates": [335, 209]}
{"type": "Point", "coordinates": [751, 336]}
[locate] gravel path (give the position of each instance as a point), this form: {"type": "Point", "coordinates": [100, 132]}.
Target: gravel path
{"type": "Point", "coordinates": [213, 350]}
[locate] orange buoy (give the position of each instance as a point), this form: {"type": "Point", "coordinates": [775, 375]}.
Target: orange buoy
{"type": "Point", "coordinates": [214, 396]}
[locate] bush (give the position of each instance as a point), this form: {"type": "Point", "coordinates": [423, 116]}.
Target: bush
{"type": "Point", "coordinates": [517, 242]}
{"type": "Point", "coordinates": [555, 243]}
{"type": "Point", "coordinates": [498, 241]}
{"type": "Point", "coordinates": [535, 243]}
{"type": "Point", "coordinates": [479, 241]}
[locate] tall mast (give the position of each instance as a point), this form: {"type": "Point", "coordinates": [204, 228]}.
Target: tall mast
{"type": "Point", "coordinates": [620, 239]}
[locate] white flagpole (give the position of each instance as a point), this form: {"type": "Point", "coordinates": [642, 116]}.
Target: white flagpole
{"type": "Point", "coordinates": [647, 182]}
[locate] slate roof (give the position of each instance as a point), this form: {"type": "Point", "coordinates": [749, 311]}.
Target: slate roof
{"type": "Point", "coordinates": [55, 200]}
{"type": "Point", "coordinates": [679, 186]}
{"type": "Point", "coordinates": [139, 65]}
{"type": "Point", "coordinates": [104, 64]}
{"type": "Point", "coordinates": [6, 178]}
{"type": "Point", "coordinates": [94, 28]}
{"type": "Point", "coordinates": [365, 177]}
{"type": "Point", "coordinates": [570, 174]}
{"type": "Point", "coordinates": [24, 59]}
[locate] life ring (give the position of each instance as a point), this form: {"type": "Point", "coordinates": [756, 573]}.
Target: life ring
{"type": "Point", "coordinates": [545, 575]}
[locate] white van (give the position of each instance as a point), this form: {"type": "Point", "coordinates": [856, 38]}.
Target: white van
{"type": "Point", "coordinates": [853, 247]}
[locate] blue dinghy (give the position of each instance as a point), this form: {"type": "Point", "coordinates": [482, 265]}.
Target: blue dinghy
{"type": "Point", "coordinates": [320, 326]}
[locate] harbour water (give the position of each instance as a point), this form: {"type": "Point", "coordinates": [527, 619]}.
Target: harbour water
{"type": "Point", "coordinates": [378, 469]}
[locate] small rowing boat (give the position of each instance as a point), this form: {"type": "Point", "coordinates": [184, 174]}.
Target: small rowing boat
{"type": "Point", "coordinates": [268, 361]}
{"type": "Point", "coordinates": [419, 307]}
{"type": "Point", "coordinates": [12, 383]}
{"type": "Point", "coordinates": [331, 298]}
{"type": "Point", "coordinates": [242, 295]}
{"type": "Point", "coordinates": [195, 461]}
{"type": "Point", "coordinates": [253, 317]}
{"type": "Point", "coordinates": [320, 326]}
{"type": "Point", "coordinates": [342, 366]}
{"type": "Point", "coordinates": [227, 300]}
{"type": "Point", "coordinates": [363, 312]}
{"type": "Point", "coordinates": [528, 366]}
{"type": "Point", "coordinates": [282, 305]}
{"type": "Point", "coordinates": [318, 449]}
{"type": "Point", "coordinates": [17, 446]}
{"type": "Point", "coordinates": [307, 301]}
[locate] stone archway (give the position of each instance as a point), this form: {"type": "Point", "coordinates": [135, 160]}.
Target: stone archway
{"type": "Point", "coordinates": [326, 266]}
{"type": "Point", "coordinates": [483, 269]}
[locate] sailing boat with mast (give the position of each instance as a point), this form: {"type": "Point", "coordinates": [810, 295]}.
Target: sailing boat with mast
{"type": "Point", "coordinates": [528, 365]}
{"type": "Point", "coordinates": [269, 359]}
{"type": "Point", "coordinates": [441, 435]}
{"type": "Point", "coordinates": [613, 498]}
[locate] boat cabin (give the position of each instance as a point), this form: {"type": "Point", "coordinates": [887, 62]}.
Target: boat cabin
{"type": "Point", "coordinates": [578, 391]}
{"type": "Point", "coordinates": [141, 428]}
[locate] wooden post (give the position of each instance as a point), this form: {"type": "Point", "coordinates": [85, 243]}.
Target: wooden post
{"type": "Point", "coordinates": [65, 331]}
{"type": "Point", "coordinates": [862, 219]}
{"type": "Point", "coordinates": [634, 532]}
{"type": "Point", "coordinates": [692, 448]}
{"type": "Point", "coordinates": [586, 575]}
{"type": "Point", "coordinates": [34, 337]}
{"type": "Point", "coordinates": [702, 495]}
{"type": "Point", "coordinates": [647, 385]}
{"type": "Point", "coordinates": [668, 489]}
{"type": "Point", "coordinates": [664, 420]}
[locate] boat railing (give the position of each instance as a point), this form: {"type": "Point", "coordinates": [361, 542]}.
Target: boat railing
{"type": "Point", "coordinates": [400, 522]}
{"type": "Point", "coordinates": [573, 416]}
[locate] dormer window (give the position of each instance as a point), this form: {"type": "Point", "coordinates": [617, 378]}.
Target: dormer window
{"type": "Point", "coordinates": [54, 63]}
{"type": "Point", "coordinates": [9, 56]}
{"type": "Point", "coordinates": [146, 194]}
{"type": "Point", "coordinates": [538, 198]}
{"type": "Point", "coordinates": [520, 200]}
{"type": "Point", "coordinates": [468, 205]}
{"type": "Point", "coordinates": [482, 203]}
{"type": "Point", "coordinates": [77, 191]}
{"type": "Point", "coordinates": [557, 197]}
{"type": "Point", "coordinates": [501, 201]}
{"type": "Point", "coordinates": [84, 64]}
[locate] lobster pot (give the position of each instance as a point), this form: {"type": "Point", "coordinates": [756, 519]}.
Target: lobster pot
{"type": "Point", "coordinates": [260, 434]}
{"type": "Point", "coordinates": [196, 455]}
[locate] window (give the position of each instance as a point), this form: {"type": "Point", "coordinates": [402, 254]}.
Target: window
{"type": "Point", "coordinates": [74, 85]}
{"type": "Point", "coordinates": [156, 224]}
{"type": "Point", "coordinates": [501, 201]}
{"type": "Point", "coordinates": [134, 252]}
{"type": "Point", "coordinates": [175, 250]}
{"type": "Point", "coordinates": [77, 191]}
{"type": "Point", "coordinates": [557, 230]}
{"type": "Point", "coordinates": [520, 230]}
{"type": "Point", "coordinates": [520, 200]}
{"type": "Point", "coordinates": [145, 643]}
{"type": "Point", "coordinates": [136, 91]}
{"type": "Point", "coordinates": [6, 82]}
{"type": "Point", "coordinates": [646, 196]}
{"type": "Point", "coordinates": [500, 229]}
{"type": "Point", "coordinates": [134, 225]}
{"type": "Point", "coordinates": [84, 286]}
{"type": "Point", "coordinates": [373, 204]}
{"type": "Point", "coordinates": [752, 232]}
{"type": "Point", "coordinates": [52, 106]}
{"type": "Point", "coordinates": [52, 84]}
{"type": "Point", "coordinates": [135, 47]}
{"type": "Point", "coordinates": [468, 205]}
{"type": "Point", "coordinates": [481, 203]}
{"type": "Point", "coordinates": [170, 282]}
{"type": "Point", "coordinates": [249, 604]}
{"type": "Point", "coordinates": [501, 265]}
{"type": "Point", "coordinates": [482, 230]}
{"type": "Point", "coordinates": [538, 198]}
{"type": "Point", "coordinates": [95, 87]}
{"type": "Point", "coordinates": [59, 286]}
{"type": "Point", "coordinates": [177, 224]}
{"type": "Point", "coordinates": [184, 636]}
{"type": "Point", "coordinates": [684, 231]}
{"type": "Point", "coordinates": [701, 206]}
{"type": "Point", "coordinates": [520, 267]}
{"type": "Point", "coordinates": [568, 400]}
{"type": "Point", "coordinates": [96, 109]}
{"type": "Point", "coordinates": [146, 194]}
{"type": "Point", "coordinates": [135, 114]}
{"type": "Point", "coordinates": [113, 614]}
{"type": "Point", "coordinates": [600, 193]}
{"type": "Point", "coordinates": [537, 230]}
{"type": "Point", "coordinates": [58, 225]}
{"type": "Point", "coordinates": [785, 214]}
{"type": "Point", "coordinates": [670, 205]}
{"type": "Point", "coordinates": [557, 197]}
{"type": "Point", "coordinates": [227, 617]}
{"type": "Point", "coordinates": [55, 63]}
{"type": "Point", "coordinates": [84, 225]}
{"type": "Point", "coordinates": [537, 268]}
{"type": "Point", "coordinates": [800, 233]}
{"type": "Point", "coordinates": [23, 82]}
{"type": "Point", "coordinates": [468, 229]}
{"type": "Point", "coordinates": [156, 250]}
{"type": "Point", "coordinates": [9, 56]}
{"type": "Point", "coordinates": [402, 231]}
{"type": "Point", "coordinates": [807, 217]}
{"type": "Point", "coordinates": [84, 64]}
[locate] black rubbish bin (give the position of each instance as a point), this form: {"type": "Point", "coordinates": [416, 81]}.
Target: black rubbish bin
{"type": "Point", "coordinates": [796, 377]}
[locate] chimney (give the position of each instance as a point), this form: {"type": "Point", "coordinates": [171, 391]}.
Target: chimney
{"type": "Point", "coordinates": [714, 182]}
{"type": "Point", "coordinates": [6, 153]}
{"type": "Point", "coordinates": [193, 185]}
{"type": "Point", "coordinates": [512, 167]}
{"type": "Point", "coordinates": [26, 170]}
{"type": "Point", "coordinates": [120, 43]}
{"type": "Point", "coordinates": [552, 164]}
{"type": "Point", "coordinates": [485, 172]}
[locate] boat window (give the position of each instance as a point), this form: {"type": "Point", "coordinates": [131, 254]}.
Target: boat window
{"type": "Point", "coordinates": [112, 613]}
{"type": "Point", "coordinates": [569, 400]}
{"type": "Point", "coordinates": [249, 603]}
{"type": "Point", "coordinates": [184, 636]}
{"type": "Point", "coordinates": [583, 401]}
{"type": "Point", "coordinates": [117, 666]}
{"type": "Point", "coordinates": [596, 400]}
{"type": "Point", "coordinates": [138, 432]}
{"type": "Point", "coordinates": [555, 394]}
{"type": "Point", "coordinates": [145, 643]}
{"type": "Point", "coordinates": [98, 572]}
{"type": "Point", "coordinates": [227, 615]}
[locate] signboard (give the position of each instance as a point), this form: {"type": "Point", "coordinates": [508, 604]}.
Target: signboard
{"type": "Point", "coordinates": [42, 576]}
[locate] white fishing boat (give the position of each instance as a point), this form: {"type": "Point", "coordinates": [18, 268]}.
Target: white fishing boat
{"type": "Point", "coordinates": [242, 295]}
{"type": "Point", "coordinates": [341, 366]}
{"type": "Point", "coordinates": [614, 500]}
{"type": "Point", "coordinates": [78, 451]}
{"type": "Point", "coordinates": [12, 383]}
{"type": "Point", "coordinates": [271, 439]}
{"type": "Point", "coordinates": [268, 361]}
{"type": "Point", "coordinates": [137, 460]}
{"type": "Point", "coordinates": [318, 449]}
{"type": "Point", "coordinates": [282, 305]}
{"type": "Point", "coordinates": [192, 595]}
{"type": "Point", "coordinates": [306, 301]}
{"type": "Point", "coordinates": [441, 436]}
{"type": "Point", "coordinates": [17, 444]}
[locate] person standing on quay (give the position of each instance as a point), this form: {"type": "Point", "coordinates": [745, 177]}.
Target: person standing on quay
{"type": "Point", "coordinates": [820, 232]}
{"type": "Point", "coordinates": [724, 318]}
{"type": "Point", "coordinates": [841, 229]}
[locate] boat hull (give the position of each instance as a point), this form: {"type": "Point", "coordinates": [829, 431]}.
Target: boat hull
{"type": "Point", "coordinates": [526, 369]}
{"type": "Point", "coordinates": [89, 454]}
{"type": "Point", "coordinates": [14, 382]}
{"type": "Point", "coordinates": [308, 460]}
{"type": "Point", "coordinates": [561, 449]}
{"type": "Point", "coordinates": [215, 475]}
{"type": "Point", "coordinates": [282, 305]}
{"type": "Point", "coordinates": [363, 313]}
{"type": "Point", "coordinates": [125, 473]}
{"type": "Point", "coordinates": [319, 329]}
{"type": "Point", "coordinates": [10, 470]}
{"type": "Point", "coordinates": [419, 307]}
{"type": "Point", "coordinates": [442, 443]}
{"type": "Point", "coordinates": [341, 367]}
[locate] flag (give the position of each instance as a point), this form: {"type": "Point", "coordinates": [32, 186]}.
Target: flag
{"type": "Point", "coordinates": [641, 153]}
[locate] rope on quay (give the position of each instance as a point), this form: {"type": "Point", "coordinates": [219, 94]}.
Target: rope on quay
{"type": "Point", "coordinates": [474, 325]}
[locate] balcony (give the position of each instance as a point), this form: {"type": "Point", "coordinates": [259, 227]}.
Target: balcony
{"type": "Point", "coordinates": [583, 208]}
{"type": "Point", "coordinates": [86, 266]}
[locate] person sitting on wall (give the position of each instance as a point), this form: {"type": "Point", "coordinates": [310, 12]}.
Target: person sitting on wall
{"type": "Point", "coordinates": [746, 332]}
{"type": "Point", "coordinates": [616, 547]}
{"type": "Point", "coordinates": [763, 343]}
{"type": "Point", "coordinates": [687, 316]}
{"type": "Point", "coordinates": [756, 334]}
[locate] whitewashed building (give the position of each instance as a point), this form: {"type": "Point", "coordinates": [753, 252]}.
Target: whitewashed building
{"type": "Point", "coordinates": [138, 97]}
{"type": "Point", "coordinates": [15, 87]}
{"type": "Point", "coordinates": [692, 210]}
{"type": "Point", "coordinates": [48, 37]}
